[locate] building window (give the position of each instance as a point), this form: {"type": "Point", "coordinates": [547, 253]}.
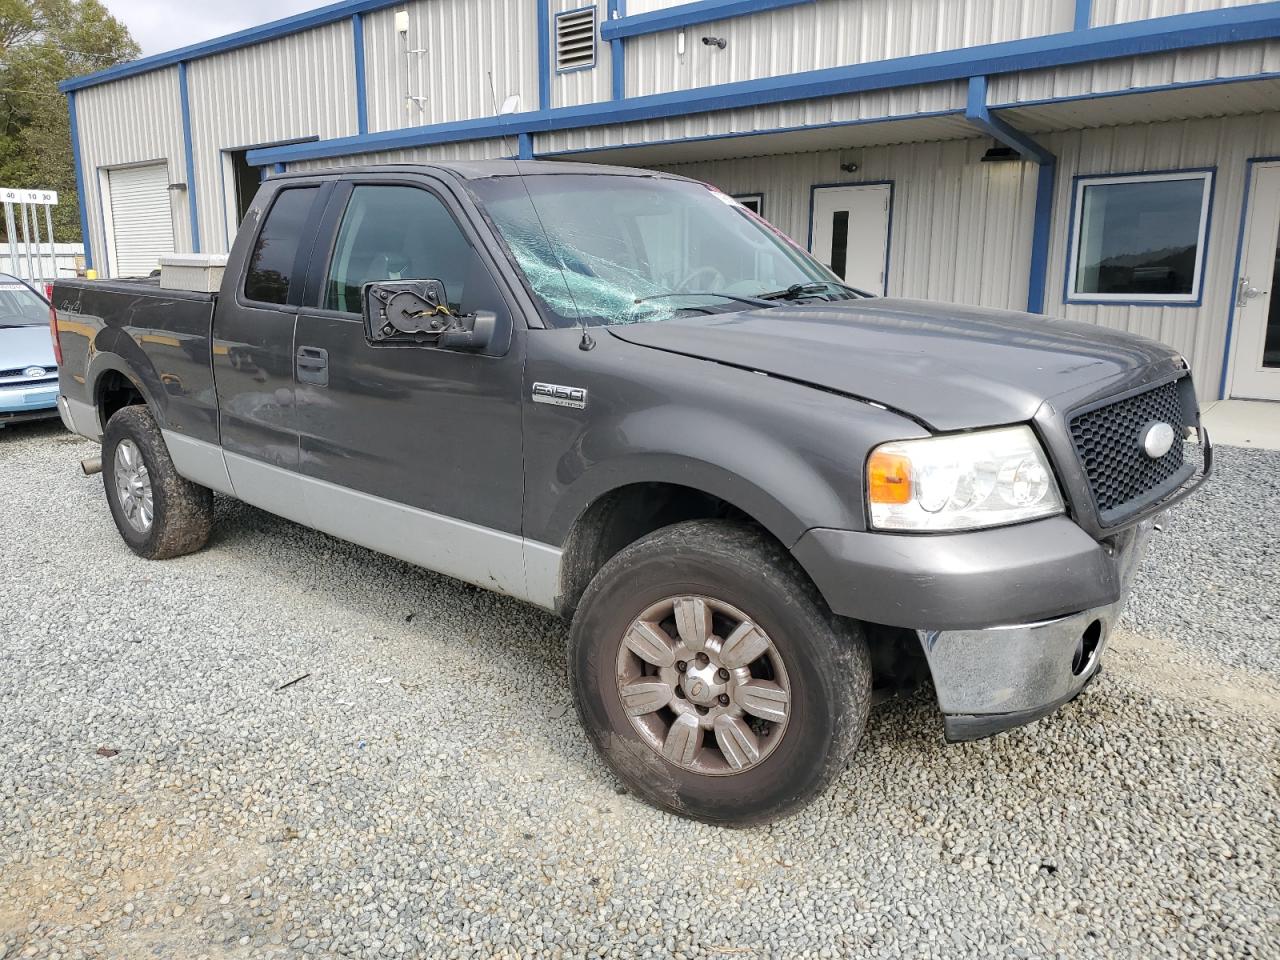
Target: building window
{"type": "Point", "coordinates": [752, 201]}
{"type": "Point", "coordinates": [1139, 238]}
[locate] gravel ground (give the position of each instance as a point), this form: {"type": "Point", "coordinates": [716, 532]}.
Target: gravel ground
{"type": "Point", "coordinates": [426, 790]}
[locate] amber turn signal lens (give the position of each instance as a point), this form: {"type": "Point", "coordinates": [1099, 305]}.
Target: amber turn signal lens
{"type": "Point", "coordinates": [888, 478]}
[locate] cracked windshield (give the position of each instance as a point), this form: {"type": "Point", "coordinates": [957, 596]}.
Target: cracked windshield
{"type": "Point", "coordinates": [617, 249]}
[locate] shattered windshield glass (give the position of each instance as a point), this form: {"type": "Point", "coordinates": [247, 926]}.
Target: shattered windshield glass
{"type": "Point", "coordinates": [607, 249]}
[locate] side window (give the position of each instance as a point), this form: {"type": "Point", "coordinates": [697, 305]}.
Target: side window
{"type": "Point", "coordinates": [395, 233]}
{"type": "Point", "coordinates": [272, 264]}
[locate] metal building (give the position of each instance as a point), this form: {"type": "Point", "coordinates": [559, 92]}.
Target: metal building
{"type": "Point", "coordinates": [1115, 161]}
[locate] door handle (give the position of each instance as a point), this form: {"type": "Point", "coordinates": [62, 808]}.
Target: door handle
{"type": "Point", "coordinates": [313, 366]}
{"type": "Point", "coordinates": [1247, 292]}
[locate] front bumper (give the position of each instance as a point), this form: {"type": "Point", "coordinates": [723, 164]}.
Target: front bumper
{"type": "Point", "coordinates": [1013, 621]}
{"type": "Point", "coordinates": [993, 679]}
{"type": "Point", "coordinates": [28, 401]}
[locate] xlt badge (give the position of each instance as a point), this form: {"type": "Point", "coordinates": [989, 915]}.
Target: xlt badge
{"type": "Point", "coordinates": [556, 395]}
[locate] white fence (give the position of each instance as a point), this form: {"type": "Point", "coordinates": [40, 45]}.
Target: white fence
{"type": "Point", "coordinates": [28, 224]}
{"type": "Point", "coordinates": [64, 254]}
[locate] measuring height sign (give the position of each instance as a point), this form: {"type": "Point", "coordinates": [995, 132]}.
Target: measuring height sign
{"type": "Point", "coordinates": [44, 198]}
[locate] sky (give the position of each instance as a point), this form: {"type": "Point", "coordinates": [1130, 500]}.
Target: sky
{"type": "Point", "coordinates": [160, 25]}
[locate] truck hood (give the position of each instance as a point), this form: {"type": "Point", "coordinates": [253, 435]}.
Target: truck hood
{"type": "Point", "coordinates": [950, 367]}
{"type": "Point", "coordinates": [25, 347]}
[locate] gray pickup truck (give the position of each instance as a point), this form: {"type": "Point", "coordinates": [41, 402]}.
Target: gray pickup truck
{"type": "Point", "coordinates": [761, 497]}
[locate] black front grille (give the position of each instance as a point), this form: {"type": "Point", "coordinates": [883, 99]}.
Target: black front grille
{"type": "Point", "coordinates": [1108, 440]}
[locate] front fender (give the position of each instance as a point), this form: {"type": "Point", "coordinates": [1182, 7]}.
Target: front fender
{"type": "Point", "coordinates": [704, 451]}
{"type": "Point", "coordinates": [788, 455]}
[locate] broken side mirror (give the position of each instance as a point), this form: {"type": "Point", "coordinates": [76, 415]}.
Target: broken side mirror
{"type": "Point", "coordinates": [417, 311]}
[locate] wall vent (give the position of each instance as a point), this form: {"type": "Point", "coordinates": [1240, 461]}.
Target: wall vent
{"type": "Point", "coordinates": [576, 39]}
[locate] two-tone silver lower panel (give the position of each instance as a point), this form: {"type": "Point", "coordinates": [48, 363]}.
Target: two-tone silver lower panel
{"type": "Point", "coordinates": [498, 561]}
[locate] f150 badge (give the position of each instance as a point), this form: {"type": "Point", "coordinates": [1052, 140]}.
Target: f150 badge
{"type": "Point", "coordinates": [558, 396]}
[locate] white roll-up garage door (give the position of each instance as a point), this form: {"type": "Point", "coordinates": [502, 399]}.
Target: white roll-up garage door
{"type": "Point", "coordinates": [141, 222]}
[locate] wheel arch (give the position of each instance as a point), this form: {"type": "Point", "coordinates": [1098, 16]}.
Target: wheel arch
{"type": "Point", "coordinates": [631, 503]}
{"type": "Point", "coordinates": [114, 384]}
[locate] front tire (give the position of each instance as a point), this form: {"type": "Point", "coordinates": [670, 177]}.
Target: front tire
{"type": "Point", "coordinates": [713, 679]}
{"type": "Point", "coordinates": [159, 514]}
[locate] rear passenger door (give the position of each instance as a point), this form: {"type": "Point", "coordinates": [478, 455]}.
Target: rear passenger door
{"type": "Point", "coordinates": [253, 330]}
{"type": "Point", "coordinates": [418, 448]}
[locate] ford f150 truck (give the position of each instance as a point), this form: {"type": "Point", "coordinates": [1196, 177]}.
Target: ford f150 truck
{"type": "Point", "coordinates": [619, 395]}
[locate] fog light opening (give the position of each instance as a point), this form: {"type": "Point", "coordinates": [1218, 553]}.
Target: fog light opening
{"type": "Point", "coordinates": [1087, 647]}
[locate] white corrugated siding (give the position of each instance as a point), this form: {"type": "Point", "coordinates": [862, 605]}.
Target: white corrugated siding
{"type": "Point", "coordinates": [1109, 76]}
{"type": "Point", "coordinates": [903, 102]}
{"type": "Point", "coordinates": [132, 121]}
{"type": "Point", "coordinates": [1227, 144]}
{"type": "Point", "coordinates": [961, 229]}
{"type": "Point", "coordinates": [831, 33]}
{"type": "Point", "coordinates": [581, 86]}
{"type": "Point", "coordinates": [297, 86]}
{"type": "Point", "coordinates": [465, 41]}
{"type": "Point", "coordinates": [1125, 11]}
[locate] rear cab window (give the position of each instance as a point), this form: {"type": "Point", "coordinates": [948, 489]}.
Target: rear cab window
{"type": "Point", "coordinates": [275, 265]}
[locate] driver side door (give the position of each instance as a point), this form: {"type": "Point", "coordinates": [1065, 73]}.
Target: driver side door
{"type": "Point", "coordinates": [410, 449]}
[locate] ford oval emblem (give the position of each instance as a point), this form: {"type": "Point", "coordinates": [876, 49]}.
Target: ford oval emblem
{"type": "Point", "coordinates": [33, 373]}
{"type": "Point", "coordinates": [1157, 439]}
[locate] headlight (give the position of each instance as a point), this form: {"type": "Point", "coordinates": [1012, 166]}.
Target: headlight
{"type": "Point", "coordinates": [961, 482]}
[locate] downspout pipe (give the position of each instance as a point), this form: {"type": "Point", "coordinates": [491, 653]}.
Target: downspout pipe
{"type": "Point", "coordinates": [979, 114]}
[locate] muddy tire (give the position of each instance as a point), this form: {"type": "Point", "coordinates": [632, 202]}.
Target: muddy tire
{"type": "Point", "coordinates": [159, 514]}
{"type": "Point", "coordinates": [713, 679]}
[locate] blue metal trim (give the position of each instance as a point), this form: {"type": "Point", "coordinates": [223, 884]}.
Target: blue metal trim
{"type": "Point", "coordinates": [1084, 14]}
{"type": "Point", "coordinates": [526, 147]}
{"type": "Point", "coordinates": [687, 14]}
{"type": "Point", "coordinates": [594, 45]}
{"type": "Point", "coordinates": [75, 160]}
{"type": "Point", "coordinates": [1073, 237]}
{"type": "Point", "coordinates": [979, 114]}
{"type": "Point", "coordinates": [1041, 236]}
{"type": "Point", "coordinates": [1184, 31]}
{"type": "Point", "coordinates": [544, 55]}
{"type": "Point", "coordinates": [617, 10]}
{"type": "Point", "coordinates": [888, 234]}
{"type": "Point", "coordinates": [1250, 166]}
{"type": "Point", "coordinates": [245, 38]}
{"type": "Point", "coordinates": [190, 157]}
{"type": "Point", "coordinates": [362, 95]}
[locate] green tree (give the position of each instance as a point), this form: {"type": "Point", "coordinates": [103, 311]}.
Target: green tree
{"type": "Point", "coordinates": [43, 42]}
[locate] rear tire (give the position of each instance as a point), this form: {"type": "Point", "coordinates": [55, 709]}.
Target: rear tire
{"type": "Point", "coordinates": [732, 732]}
{"type": "Point", "coordinates": [159, 514]}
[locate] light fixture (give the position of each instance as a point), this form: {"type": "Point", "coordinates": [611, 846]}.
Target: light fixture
{"type": "Point", "coordinates": [849, 167]}
{"type": "Point", "coordinates": [178, 187]}
{"type": "Point", "coordinates": [1000, 155]}
{"type": "Point", "coordinates": [720, 42]}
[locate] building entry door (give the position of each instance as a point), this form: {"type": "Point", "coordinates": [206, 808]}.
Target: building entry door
{"type": "Point", "coordinates": [1257, 342]}
{"type": "Point", "coordinates": [849, 232]}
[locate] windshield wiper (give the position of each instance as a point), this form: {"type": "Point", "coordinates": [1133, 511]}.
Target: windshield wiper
{"type": "Point", "coordinates": [754, 301]}
{"type": "Point", "coordinates": [798, 290]}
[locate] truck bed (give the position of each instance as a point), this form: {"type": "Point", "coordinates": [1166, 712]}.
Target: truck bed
{"type": "Point", "coordinates": [160, 340]}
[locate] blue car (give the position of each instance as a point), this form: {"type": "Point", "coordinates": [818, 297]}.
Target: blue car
{"type": "Point", "coordinates": [28, 371]}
